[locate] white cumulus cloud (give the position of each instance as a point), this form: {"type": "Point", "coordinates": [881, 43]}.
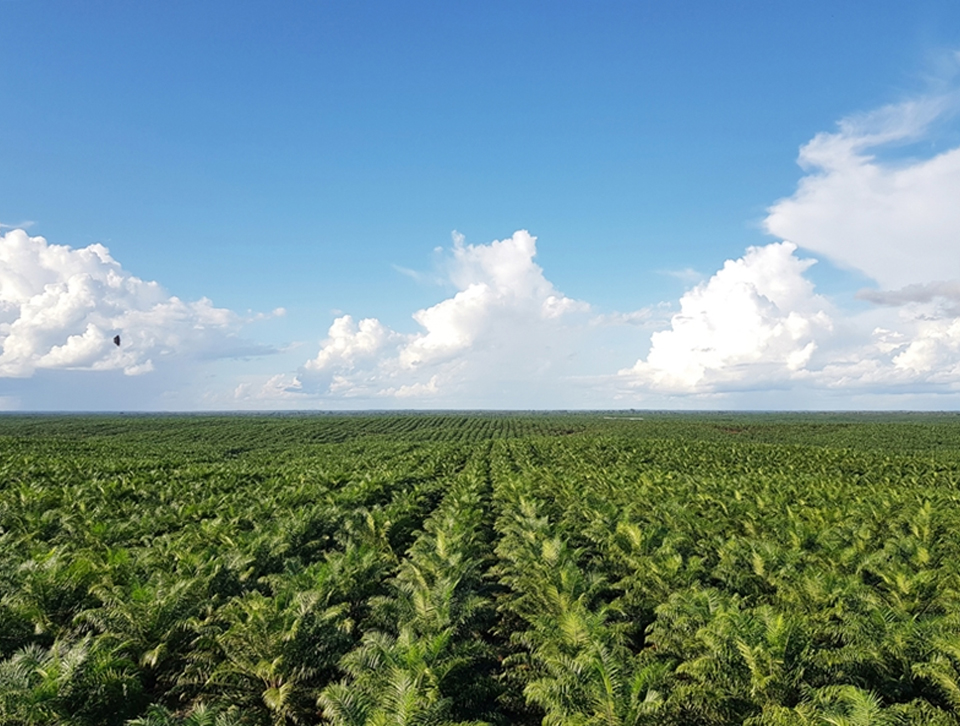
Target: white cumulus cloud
{"type": "Point", "coordinates": [756, 319]}
{"type": "Point", "coordinates": [758, 325]}
{"type": "Point", "coordinates": [349, 343]}
{"type": "Point", "coordinates": [897, 220]}
{"type": "Point", "coordinates": [61, 307]}
{"type": "Point", "coordinates": [505, 325]}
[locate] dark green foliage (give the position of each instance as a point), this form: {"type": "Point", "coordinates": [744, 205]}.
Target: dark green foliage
{"type": "Point", "coordinates": [566, 569]}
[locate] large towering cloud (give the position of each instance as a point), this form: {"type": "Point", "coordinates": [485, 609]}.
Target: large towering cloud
{"type": "Point", "coordinates": [505, 326]}
{"type": "Point", "coordinates": [61, 307]}
{"type": "Point", "coordinates": [757, 319]}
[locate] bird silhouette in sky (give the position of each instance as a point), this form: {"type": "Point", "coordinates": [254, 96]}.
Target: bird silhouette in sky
{"type": "Point", "coordinates": [116, 340]}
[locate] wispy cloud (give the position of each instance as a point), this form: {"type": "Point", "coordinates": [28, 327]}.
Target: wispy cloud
{"type": "Point", "coordinates": [416, 275]}
{"type": "Point", "coordinates": [26, 224]}
{"type": "Point", "coordinates": [687, 275]}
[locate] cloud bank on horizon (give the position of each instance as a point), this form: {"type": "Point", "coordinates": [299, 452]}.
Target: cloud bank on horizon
{"type": "Point", "coordinates": [507, 337]}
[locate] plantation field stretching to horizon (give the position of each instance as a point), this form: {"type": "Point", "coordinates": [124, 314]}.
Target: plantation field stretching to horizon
{"type": "Point", "coordinates": [503, 568]}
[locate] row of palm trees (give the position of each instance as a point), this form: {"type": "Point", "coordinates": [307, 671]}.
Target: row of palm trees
{"type": "Point", "coordinates": [427, 660]}
{"type": "Point", "coordinates": [774, 601]}
{"type": "Point", "coordinates": [211, 587]}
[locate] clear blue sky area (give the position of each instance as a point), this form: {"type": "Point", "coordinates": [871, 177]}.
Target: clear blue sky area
{"type": "Point", "coordinates": [297, 154]}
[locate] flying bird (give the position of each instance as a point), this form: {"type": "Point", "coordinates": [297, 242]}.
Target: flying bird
{"type": "Point", "coordinates": [116, 340]}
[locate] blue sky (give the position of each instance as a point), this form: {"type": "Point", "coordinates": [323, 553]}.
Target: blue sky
{"type": "Point", "coordinates": [293, 164]}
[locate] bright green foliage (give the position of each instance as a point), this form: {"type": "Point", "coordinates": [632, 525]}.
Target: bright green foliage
{"type": "Point", "coordinates": [584, 671]}
{"type": "Point", "coordinates": [431, 648]}
{"type": "Point", "coordinates": [441, 569]}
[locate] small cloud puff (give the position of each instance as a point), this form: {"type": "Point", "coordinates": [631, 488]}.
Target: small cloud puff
{"type": "Point", "coordinates": [349, 343]}
{"type": "Point", "coordinates": [61, 307]}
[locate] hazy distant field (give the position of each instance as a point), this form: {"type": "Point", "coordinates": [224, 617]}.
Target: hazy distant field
{"type": "Point", "coordinates": [579, 568]}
